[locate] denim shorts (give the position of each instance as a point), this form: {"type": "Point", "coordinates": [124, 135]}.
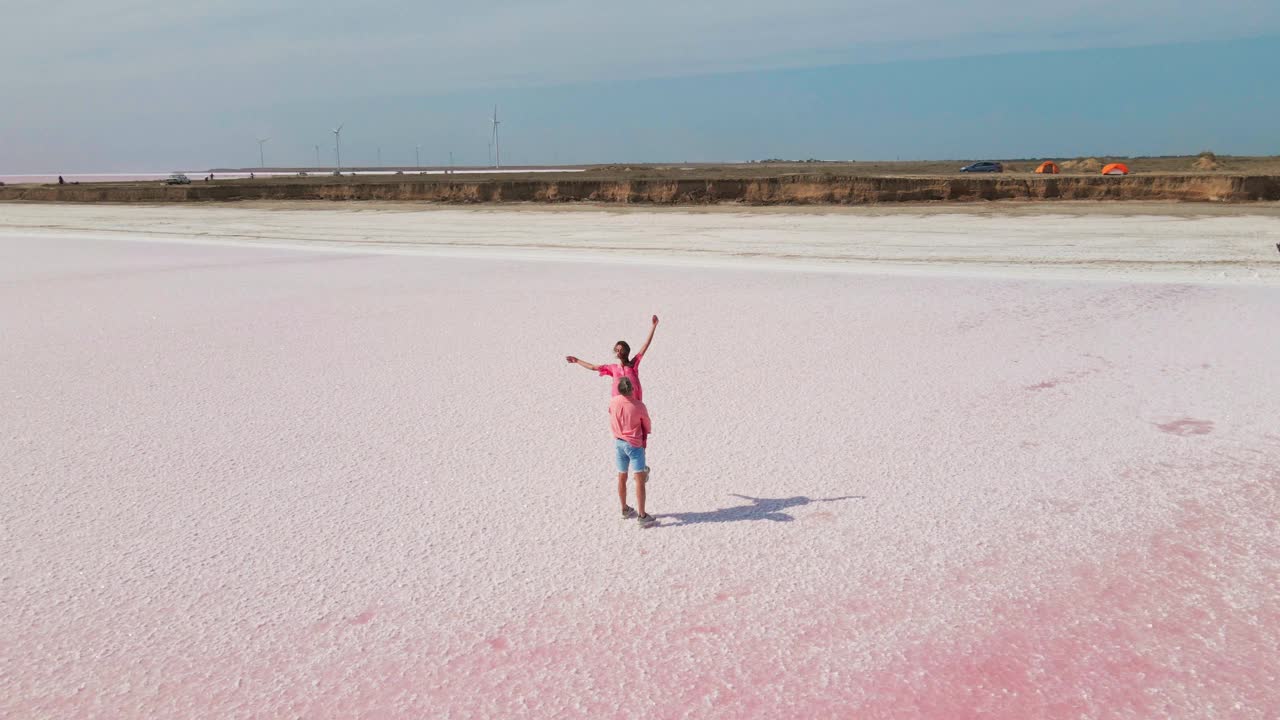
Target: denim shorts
{"type": "Point", "coordinates": [626, 453]}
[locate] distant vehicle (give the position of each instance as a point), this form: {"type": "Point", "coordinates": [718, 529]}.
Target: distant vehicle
{"type": "Point", "coordinates": [177, 179]}
{"type": "Point", "coordinates": [302, 174]}
{"type": "Point", "coordinates": [983, 167]}
{"type": "Point", "coordinates": [337, 173]}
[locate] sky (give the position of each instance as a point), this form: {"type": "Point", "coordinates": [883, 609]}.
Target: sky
{"type": "Point", "coordinates": [157, 85]}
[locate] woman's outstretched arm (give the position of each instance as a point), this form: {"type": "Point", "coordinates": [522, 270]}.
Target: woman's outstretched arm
{"type": "Point", "coordinates": [648, 340]}
{"type": "Point", "coordinates": [583, 363]}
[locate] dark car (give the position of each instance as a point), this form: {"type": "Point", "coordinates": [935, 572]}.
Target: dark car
{"type": "Point", "coordinates": [983, 167]}
{"type": "Point", "coordinates": [177, 179]}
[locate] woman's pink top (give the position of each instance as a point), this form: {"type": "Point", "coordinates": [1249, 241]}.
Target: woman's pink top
{"type": "Point", "coordinates": [617, 371]}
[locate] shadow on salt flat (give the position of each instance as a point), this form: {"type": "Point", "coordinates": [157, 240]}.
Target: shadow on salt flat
{"type": "Point", "coordinates": [758, 509]}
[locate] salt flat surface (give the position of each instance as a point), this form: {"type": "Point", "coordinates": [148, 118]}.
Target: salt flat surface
{"type": "Point", "coordinates": [262, 481]}
{"type": "Point", "coordinates": [1164, 243]}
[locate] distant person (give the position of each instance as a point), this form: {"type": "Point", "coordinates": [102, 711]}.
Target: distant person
{"type": "Point", "coordinates": [61, 181]}
{"type": "Point", "coordinates": [627, 366]}
{"type": "Point", "coordinates": [629, 420]}
{"type": "Point", "coordinates": [250, 176]}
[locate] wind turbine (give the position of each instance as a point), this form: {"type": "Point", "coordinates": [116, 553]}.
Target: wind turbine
{"type": "Point", "coordinates": [417, 156]}
{"type": "Point", "coordinates": [262, 162]}
{"type": "Point", "coordinates": [337, 146]}
{"type": "Point", "coordinates": [317, 157]}
{"type": "Point", "coordinates": [497, 146]}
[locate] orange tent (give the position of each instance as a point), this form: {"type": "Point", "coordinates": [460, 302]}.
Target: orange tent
{"type": "Point", "coordinates": [1116, 169]}
{"type": "Point", "coordinates": [1049, 168]}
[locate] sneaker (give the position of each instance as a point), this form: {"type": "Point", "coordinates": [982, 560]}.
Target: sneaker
{"type": "Point", "coordinates": [628, 512]}
{"type": "Point", "coordinates": [647, 520]}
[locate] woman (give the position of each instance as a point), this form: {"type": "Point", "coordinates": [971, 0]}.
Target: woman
{"type": "Point", "coordinates": [627, 367]}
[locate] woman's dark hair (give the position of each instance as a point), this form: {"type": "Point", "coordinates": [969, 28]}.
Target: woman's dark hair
{"type": "Point", "coordinates": [626, 353]}
{"type": "Point", "coordinates": [624, 386]}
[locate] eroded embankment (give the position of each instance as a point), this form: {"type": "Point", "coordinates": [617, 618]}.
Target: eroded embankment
{"type": "Point", "coordinates": [787, 190]}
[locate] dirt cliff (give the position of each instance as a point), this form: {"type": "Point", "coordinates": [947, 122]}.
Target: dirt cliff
{"type": "Point", "coordinates": [782, 190]}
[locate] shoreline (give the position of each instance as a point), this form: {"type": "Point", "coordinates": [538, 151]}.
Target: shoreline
{"type": "Point", "coordinates": [989, 208]}
{"type": "Point", "coordinates": [1163, 243]}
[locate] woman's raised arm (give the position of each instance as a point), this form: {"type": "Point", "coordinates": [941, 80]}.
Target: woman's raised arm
{"type": "Point", "coordinates": [644, 349]}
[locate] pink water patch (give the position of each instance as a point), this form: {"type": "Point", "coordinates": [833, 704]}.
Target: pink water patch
{"type": "Point", "coordinates": [1187, 426]}
{"type": "Point", "coordinates": [1160, 632]}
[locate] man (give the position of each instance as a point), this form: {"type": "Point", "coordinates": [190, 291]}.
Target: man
{"type": "Point", "coordinates": [629, 419]}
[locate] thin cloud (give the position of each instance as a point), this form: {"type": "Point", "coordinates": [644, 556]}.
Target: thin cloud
{"type": "Point", "coordinates": [119, 78]}
{"type": "Point", "coordinates": [300, 48]}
